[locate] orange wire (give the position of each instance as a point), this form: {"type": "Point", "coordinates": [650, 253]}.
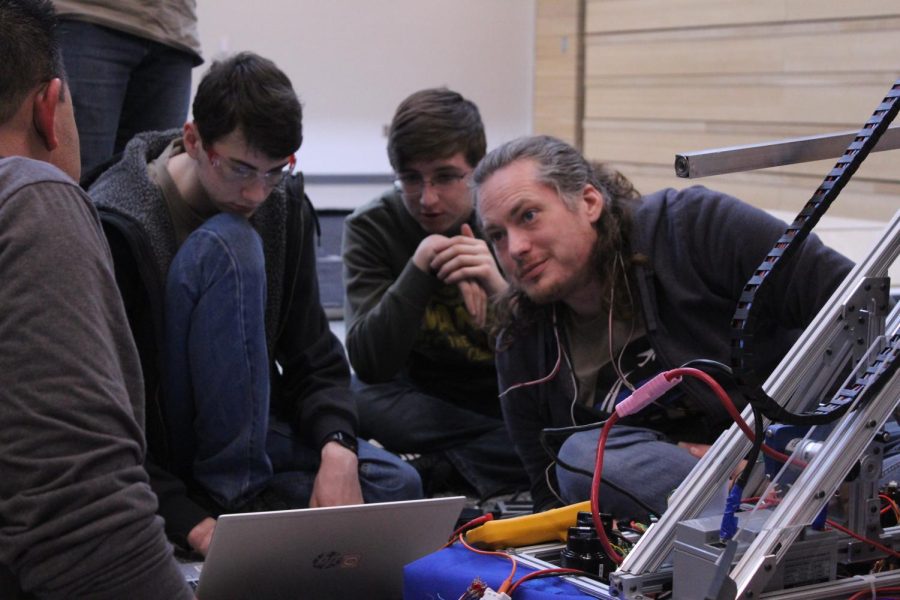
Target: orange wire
{"type": "Point", "coordinates": [863, 593]}
{"type": "Point", "coordinates": [853, 534]}
{"type": "Point", "coordinates": [506, 582]}
{"type": "Point", "coordinates": [891, 506]}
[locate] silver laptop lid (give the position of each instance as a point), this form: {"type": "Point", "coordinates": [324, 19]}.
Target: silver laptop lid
{"type": "Point", "coordinates": [335, 552]}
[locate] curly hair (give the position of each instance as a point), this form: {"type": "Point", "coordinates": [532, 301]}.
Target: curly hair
{"type": "Point", "coordinates": [562, 168]}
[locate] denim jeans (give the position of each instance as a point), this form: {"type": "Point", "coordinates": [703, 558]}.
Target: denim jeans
{"type": "Point", "coordinates": [217, 385]}
{"type": "Point", "coordinates": [121, 85]}
{"type": "Point", "coordinates": [636, 459]}
{"type": "Point", "coordinates": [382, 476]}
{"type": "Point", "coordinates": [404, 419]}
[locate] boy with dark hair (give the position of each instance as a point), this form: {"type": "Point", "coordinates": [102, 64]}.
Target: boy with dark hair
{"type": "Point", "coordinates": [249, 92]}
{"type": "Point", "coordinates": [215, 259]}
{"type": "Point", "coordinates": [435, 123]}
{"type": "Point", "coordinates": [418, 277]}
{"type": "Point", "coordinates": [78, 516]}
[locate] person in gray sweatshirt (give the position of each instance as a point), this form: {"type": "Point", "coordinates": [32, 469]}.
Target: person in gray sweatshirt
{"type": "Point", "coordinates": [78, 515]}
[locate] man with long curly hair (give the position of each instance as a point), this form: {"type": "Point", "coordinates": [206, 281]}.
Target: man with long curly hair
{"type": "Point", "coordinates": [608, 289]}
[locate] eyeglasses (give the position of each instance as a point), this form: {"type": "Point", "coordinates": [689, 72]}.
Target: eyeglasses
{"type": "Point", "coordinates": [234, 171]}
{"type": "Point", "coordinates": [413, 186]}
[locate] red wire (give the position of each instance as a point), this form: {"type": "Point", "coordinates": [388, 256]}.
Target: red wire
{"type": "Point", "coordinates": [729, 406]}
{"type": "Point", "coordinates": [849, 532]}
{"type": "Point", "coordinates": [541, 572]}
{"type": "Point", "coordinates": [604, 434]}
{"type": "Point", "coordinates": [853, 534]}
{"type": "Point", "coordinates": [508, 587]}
{"type": "Point", "coordinates": [476, 521]}
{"type": "Point", "coordinates": [863, 593]}
{"type": "Point", "coordinates": [595, 491]}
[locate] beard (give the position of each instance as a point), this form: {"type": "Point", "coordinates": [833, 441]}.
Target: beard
{"type": "Point", "coordinates": [538, 294]}
{"type": "Point", "coordinates": [558, 289]}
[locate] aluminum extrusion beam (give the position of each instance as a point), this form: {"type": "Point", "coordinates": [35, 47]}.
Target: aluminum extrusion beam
{"type": "Point", "coordinates": [813, 489]}
{"type": "Point", "coordinates": [711, 473]}
{"type": "Point", "coordinates": [735, 159]}
{"type": "Point", "coordinates": [838, 590]}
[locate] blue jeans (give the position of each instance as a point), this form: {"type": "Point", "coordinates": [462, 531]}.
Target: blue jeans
{"type": "Point", "coordinates": [405, 419]}
{"type": "Point", "coordinates": [636, 459]}
{"type": "Point", "coordinates": [217, 380]}
{"type": "Point", "coordinates": [121, 85]}
{"type": "Point", "coordinates": [383, 477]}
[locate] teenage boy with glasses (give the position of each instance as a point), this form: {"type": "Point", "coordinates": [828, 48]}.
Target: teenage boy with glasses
{"type": "Point", "coordinates": [213, 244]}
{"type": "Point", "coordinates": [418, 279]}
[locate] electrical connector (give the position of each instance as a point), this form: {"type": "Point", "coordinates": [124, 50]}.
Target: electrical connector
{"type": "Point", "coordinates": [729, 516]}
{"type": "Point", "coordinates": [647, 393]}
{"type": "Point", "coordinates": [490, 594]}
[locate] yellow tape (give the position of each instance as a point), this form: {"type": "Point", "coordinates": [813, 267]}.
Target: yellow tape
{"type": "Point", "coordinates": [549, 526]}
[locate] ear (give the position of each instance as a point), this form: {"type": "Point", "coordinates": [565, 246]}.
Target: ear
{"type": "Point", "coordinates": [594, 202]}
{"type": "Point", "coordinates": [191, 137]}
{"type": "Point", "coordinates": [46, 102]}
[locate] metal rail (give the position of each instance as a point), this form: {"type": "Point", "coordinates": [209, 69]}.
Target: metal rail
{"type": "Point", "coordinates": [643, 568]}
{"type": "Point", "coordinates": [749, 157]}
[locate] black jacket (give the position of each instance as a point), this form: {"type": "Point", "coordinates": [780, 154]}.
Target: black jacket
{"type": "Point", "coordinates": [701, 247]}
{"type": "Point", "coordinates": [309, 390]}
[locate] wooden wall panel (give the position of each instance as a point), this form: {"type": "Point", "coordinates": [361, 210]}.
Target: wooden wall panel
{"type": "Point", "coordinates": [776, 49]}
{"type": "Point", "coordinates": [559, 69]}
{"type": "Point", "coordinates": [832, 105]}
{"type": "Point", "coordinates": [614, 16]}
{"type": "Point", "coordinates": [662, 77]}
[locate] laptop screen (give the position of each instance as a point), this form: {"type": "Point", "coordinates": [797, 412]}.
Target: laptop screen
{"type": "Point", "coordinates": [335, 552]}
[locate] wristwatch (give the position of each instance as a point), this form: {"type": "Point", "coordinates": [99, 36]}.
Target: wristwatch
{"type": "Point", "coordinates": [344, 439]}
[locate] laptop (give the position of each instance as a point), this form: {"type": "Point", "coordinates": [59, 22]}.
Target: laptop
{"type": "Point", "coordinates": [334, 552]}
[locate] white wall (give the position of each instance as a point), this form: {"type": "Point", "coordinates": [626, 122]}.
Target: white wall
{"type": "Point", "coordinates": [353, 61]}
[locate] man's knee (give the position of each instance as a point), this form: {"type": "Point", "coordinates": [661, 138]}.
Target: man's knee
{"type": "Point", "coordinates": [224, 247]}
{"type": "Point", "coordinates": [579, 450]}
{"type": "Point", "coordinates": [639, 472]}
{"type": "Point", "coordinates": [385, 477]}
{"type": "Point", "coordinates": [237, 235]}
{"type": "Point", "coordinates": [408, 484]}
